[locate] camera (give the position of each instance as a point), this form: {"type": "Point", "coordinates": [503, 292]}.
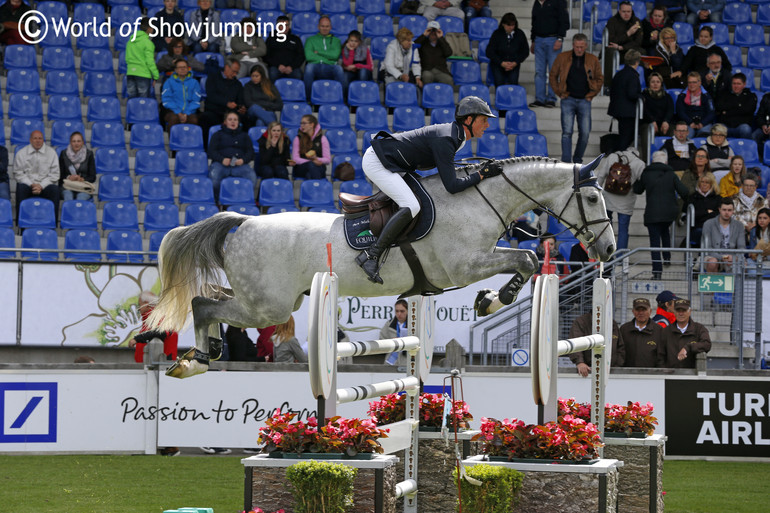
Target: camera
{"type": "Point", "coordinates": [696, 120]}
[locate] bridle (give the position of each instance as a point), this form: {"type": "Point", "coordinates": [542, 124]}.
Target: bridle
{"type": "Point", "coordinates": [583, 229]}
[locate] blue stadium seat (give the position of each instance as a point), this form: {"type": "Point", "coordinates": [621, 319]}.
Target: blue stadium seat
{"type": "Point", "coordinates": [325, 92]}
{"type": "Point", "coordinates": [196, 189]}
{"type": "Point", "coordinates": [414, 22]}
{"type": "Point", "coordinates": [529, 244]}
{"type": "Point", "coordinates": [758, 57]}
{"type": "Point", "coordinates": [103, 108]}
{"type": "Point", "coordinates": [736, 14]}
{"type": "Point", "coordinates": [684, 33]}
{"type": "Point", "coordinates": [151, 162]}
{"type": "Point", "coordinates": [657, 143]}
{"type": "Point", "coordinates": [25, 106]}
{"type": "Point", "coordinates": [214, 129]}
{"type": "Point", "coordinates": [78, 214]}
{"type": "Point", "coordinates": [96, 83]}
{"type": "Point", "coordinates": [62, 107]}
{"type": "Point", "coordinates": [437, 95]}
{"type": "Point", "coordinates": [510, 97]}
{"type": "Point", "coordinates": [300, 6]}
{"type": "Point", "coordinates": [520, 121]}
{"type": "Point", "coordinates": [91, 40]}
{"type": "Point", "coordinates": [442, 115]}
{"type": "Point", "coordinates": [22, 81]}
{"type": "Point", "coordinates": [124, 241]}
{"type": "Point", "coordinates": [763, 14]}
{"type": "Point", "coordinates": [530, 145]}
{"type": "Point", "coordinates": [479, 90]}
{"type": "Point", "coordinates": [62, 83]}
{"type": "Point", "coordinates": [276, 192]}
{"type": "Point", "coordinates": [39, 238]}
{"type": "Point", "coordinates": [494, 123]}
{"type": "Point", "coordinates": [6, 213]}
{"type": "Point", "coordinates": [764, 80]}
{"type": "Point", "coordinates": [408, 118]}
{"type": "Point", "coordinates": [367, 7]}
{"type": "Point", "coordinates": [342, 140]}
{"type": "Point", "coordinates": [401, 94]}
{"type": "Point", "coordinates": [354, 160]}
{"type": "Point", "coordinates": [160, 217]}
{"type": "Point", "coordinates": [366, 141]}
{"type": "Point", "coordinates": [57, 58]}
{"type": "Point", "coordinates": [280, 209]}
{"type": "Point", "coordinates": [255, 133]}
{"type": "Point", "coordinates": [54, 40]}
{"type": "Point", "coordinates": [466, 72]}
{"type": "Point", "coordinates": [363, 92]}
{"type": "Point", "coordinates": [378, 46]}
{"type": "Point", "coordinates": [22, 128]}
{"type": "Point", "coordinates": [265, 5]}
{"type": "Point", "coordinates": [291, 90]}
{"type": "Point", "coordinates": [316, 193]}
{"type": "Point", "coordinates": [247, 210]}
{"type": "Point", "coordinates": [598, 33]}
{"type": "Point", "coordinates": [270, 16]}
{"type": "Point", "coordinates": [142, 110]}
{"type": "Point", "coordinates": [156, 189]}
{"type": "Point", "coordinates": [120, 215]}
{"type": "Point", "coordinates": [236, 191]}
{"type": "Point", "coordinates": [334, 116]}
{"type": "Point", "coordinates": [372, 117]}
{"type": "Point", "coordinates": [20, 57]}
{"type": "Point", "coordinates": [640, 8]}
{"type": "Point", "coordinates": [185, 137]}
{"type": "Point", "coordinates": [111, 161]}
{"type": "Point", "coordinates": [603, 10]}
{"type": "Point", "coordinates": [126, 13]}
{"type": "Point", "coordinates": [147, 135]}
{"type": "Point", "coordinates": [746, 148]}
{"type": "Point", "coordinates": [123, 69]}
{"type": "Point", "coordinates": [84, 12]}
{"type": "Point", "coordinates": [493, 145]}
{"type": "Point", "coordinates": [106, 134]}
{"type": "Point", "coordinates": [292, 114]}
{"type": "Point", "coordinates": [378, 25]}
{"type": "Point", "coordinates": [335, 7]}
{"type": "Point", "coordinates": [155, 239]}
{"type": "Point", "coordinates": [450, 24]}
{"type": "Point", "coordinates": [198, 212]}
{"type": "Point", "coordinates": [85, 240]}
{"type": "Point", "coordinates": [36, 213]}
{"type": "Point", "coordinates": [96, 60]}
{"type": "Point", "coordinates": [357, 187]}
{"type": "Point", "coordinates": [232, 15]}
{"type": "Point", "coordinates": [482, 56]}
{"type": "Point", "coordinates": [480, 29]}
{"type": "Point", "coordinates": [749, 34]}
{"type": "Point", "coordinates": [343, 24]}
{"type": "Point", "coordinates": [305, 23]}
{"type": "Point", "coordinates": [191, 163]}
{"type": "Point", "coordinates": [733, 54]}
{"type": "Point", "coordinates": [721, 33]}
{"type": "Point", "coordinates": [116, 187]}
{"type": "Point", "coordinates": [328, 209]}
{"type": "Point", "coordinates": [764, 179]}
{"type": "Point", "coordinates": [51, 9]}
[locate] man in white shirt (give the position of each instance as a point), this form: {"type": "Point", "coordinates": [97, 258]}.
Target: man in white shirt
{"type": "Point", "coordinates": [36, 171]}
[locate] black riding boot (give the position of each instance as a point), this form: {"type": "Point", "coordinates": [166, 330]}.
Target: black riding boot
{"type": "Point", "coordinates": [369, 259]}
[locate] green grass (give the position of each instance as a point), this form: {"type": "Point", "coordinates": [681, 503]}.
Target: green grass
{"type": "Point", "coordinates": [151, 484]}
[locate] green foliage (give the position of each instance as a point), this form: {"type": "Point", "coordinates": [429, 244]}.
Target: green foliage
{"type": "Point", "coordinates": [321, 487]}
{"type": "Point", "coordinates": [498, 493]}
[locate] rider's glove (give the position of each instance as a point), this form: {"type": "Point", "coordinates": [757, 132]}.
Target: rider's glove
{"type": "Point", "coordinates": [493, 168]}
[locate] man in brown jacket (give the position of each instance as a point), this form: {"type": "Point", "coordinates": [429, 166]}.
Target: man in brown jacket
{"type": "Point", "coordinates": [683, 339]}
{"type": "Point", "coordinates": [576, 77]}
{"type": "Point", "coordinates": [581, 327]}
{"type": "Point", "coordinates": [641, 337]}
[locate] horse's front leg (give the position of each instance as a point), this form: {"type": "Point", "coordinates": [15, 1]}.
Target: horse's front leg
{"type": "Point", "coordinates": [523, 263]}
{"type": "Point", "coordinates": [208, 342]}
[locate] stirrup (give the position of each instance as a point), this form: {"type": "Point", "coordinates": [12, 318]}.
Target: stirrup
{"type": "Point", "coordinates": [371, 266]}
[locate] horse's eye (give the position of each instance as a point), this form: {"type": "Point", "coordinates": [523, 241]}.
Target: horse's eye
{"type": "Point", "coordinates": [593, 198]}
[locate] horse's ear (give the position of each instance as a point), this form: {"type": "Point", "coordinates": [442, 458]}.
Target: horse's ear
{"type": "Point", "coordinates": [585, 175]}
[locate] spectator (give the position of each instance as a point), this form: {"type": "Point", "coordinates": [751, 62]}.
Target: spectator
{"type": "Point", "coordinates": [395, 328]}
{"type": "Point", "coordinates": [695, 107]}
{"type": "Point", "coordinates": [748, 202]}
{"type": "Point", "coordinates": [705, 201]}
{"type": "Point", "coordinates": [674, 8]}
{"type": "Point", "coordinates": [550, 22]}
{"type": "Point", "coordinates": [261, 98]}
{"type": "Point", "coordinates": [402, 60]}
{"type": "Point", "coordinates": [286, 347]}
{"type": "Point", "coordinates": [762, 121]}
{"type": "Point", "coordinates": [718, 148]}
{"type": "Point", "coordinates": [224, 93]}
{"type": "Point", "coordinates": [5, 187]}
{"type": "Point", "coordinates": [673, 59]}
{"type": "Point", "coordinates": [322, 51]}
{"type": "Point", "coordinates": [736, 108]}
{"type": "Point", "coordinates": [664, 315]}
{"type": "Point", "coordinates": [474, 9]}
{"type": "Point", "coordinates": [310, 150]}
{"type": "Point", "coordinates": [759, 236]}
{"type": "Point", "coordinates": [285, 54]}
{"type": "Point", "coordinates": [166, 21]}
{"type": "Point", "coordinates": [698, 168]}
{"type": "Point", "coordinates": [717, 80]}
{"type": "Point", "coordinates": [661, 185]}
{"type": "Point", "coordinates": [683, 339]}
{"type": "Point", "coordinates": [434, 52]}
{"type": "Point", "coordinates": [76, 164]}
{"type": "Point", "coordinates": [181, 96]}
{"type": "Point", "coordinates": [274, 152]}
{"type": "Point", "coordinates": [722, 232]}
{"type": "Point", "coordinates": [581, 327]}
{"type": "Point", "coordinates": [652, 27]}
{"type": "Point", "coordinates": [170, 339]}
{"type": "Point", "coordinates": [248, 46]}
{"type": "Point", "coordinates": [731, 183]}
{"type": "Point", "coordinates": [659, 107]}
{"type": "Point", "coordinates": [576, 78]}
{"type": "Point", "coordinates": [231, 152]}
{"type": "Point", "coordinates": [624, 33]}
{"type": "Point", "coordinates": [432, 9]}
{"type": "Point", "coordinates": [556, 262]}
{"type": "Point", "coordinates": [624, 96]}
{"type": "Point", "coordinates": [506, 50]}
{"type": "Point", "coordinates": [242, 349]}
{"type": "Point", "coordinates": [642, 337]}
{"type": "Point", "coordinates": [697, 56]}
{"type": "Point", "coordinates": [704, 11]}
{"type": "Point", "coordinates": [36, 172]}
{"type": "Point", "coordinates": [206, 20]}
{"type": "Point", "coordinates": [140, 62]}
{"type": "Point", "coordinates": [357, 59]}
{"type": "Point", "coordinates": [680, 149]}
{"type": "Point", "coordinates": [622, 204]}
{"type": "Point", "coordinates": [177, 49]}
{"type": "Point", "coordinates": [10, 16]}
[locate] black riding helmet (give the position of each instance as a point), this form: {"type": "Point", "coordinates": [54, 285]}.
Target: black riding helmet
{"type": "Point", "coordinates": [472, 106]}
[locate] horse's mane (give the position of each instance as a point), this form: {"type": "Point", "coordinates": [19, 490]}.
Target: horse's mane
{"type": "Point", "coordinates": [510, 160]}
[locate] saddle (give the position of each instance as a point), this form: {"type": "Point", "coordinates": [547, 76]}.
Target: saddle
{"type": "Point", "coordinates": [379, 207]}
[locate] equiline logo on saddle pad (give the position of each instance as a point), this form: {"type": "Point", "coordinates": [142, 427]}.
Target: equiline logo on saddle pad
{"type": "Point", "coordinates": [359, 236]}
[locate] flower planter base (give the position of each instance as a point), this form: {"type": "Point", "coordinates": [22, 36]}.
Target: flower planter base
{"type": "Point", "coordinates": [640, 485]}
{"type": "Point", "coordinates": [565, 488]}
{"type": "Point", "coordinates": [266, 485]}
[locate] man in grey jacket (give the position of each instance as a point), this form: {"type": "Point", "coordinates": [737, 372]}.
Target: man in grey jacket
{"type": "Point", "coordinates": [722, 232]}
{"type": "Point", "coordinates": [36, 171]}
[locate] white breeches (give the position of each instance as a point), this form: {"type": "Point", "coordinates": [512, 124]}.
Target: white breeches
{"type": "Point", "coordinates": [389, 182]}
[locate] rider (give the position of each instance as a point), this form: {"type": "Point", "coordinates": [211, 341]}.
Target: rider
{"type": "Point", "coordinates": [392, 155]}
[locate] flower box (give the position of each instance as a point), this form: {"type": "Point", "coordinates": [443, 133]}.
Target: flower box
{"type": "Point", "coordinates": [623, 434]}
{"type": "Point", "coordinates": [586, 461]}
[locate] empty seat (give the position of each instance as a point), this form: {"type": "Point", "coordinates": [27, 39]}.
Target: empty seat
{"type": "Point", "coordinates": [684, 33]}
{"type": "Point", "coordinates": [479, 90]}
{"type": "Point", "coordinates": [40, 238]}
{"type": "Point", "coordinates": [733, 54]}
{"type": "Point", "coordinates": [480, 29]}
{"type": "Point", "coordinates": [265, 5]}
{"type": "Point", "coordinates": [36, 213]}
{"type": "Point", "coordinates": [378, 25]}
{"type": "Point", "coordinates": [64, 107]}
{"type": "Point", "coordinates": [147, 135]}
{"type": "Point", "coordinates": [749, 34]}
{"type": "Point", "coordinates": [111, 160]}
{"type": "Point", "coordinates": [736, 13]}
{"type": "Point", "coordinates": [746, 148]}
{"type": "Point", "coordinates": [96, 59]}
{"type": "Point", "coordinates": [366, 7]}
{"type": "Point", "coordinates": [155, 239]}
{"type": "Point", "coordinates": [316, 193]}
{"type": "Point", "coordinates": [23, 81]}
{"type": "Point", "coordinates": [103, 108]}
{"type": "Point", "coordinates": [450, 24]}
{"type": "Point", "coordinates": [22, 128]}
{"type": "Point", "coordinates": [378, 46]}
{"type": "Point", "coordinates": [357, 187]}
{"type": "Point", "coordinates": [185, 137]}
{"type": "Point", "coordinates": [6, 214]}
{"type": "Point", "coordinates": [335, 7]}
{"type": "Point", "coordinates": [276, 192]}
{"type": "Point", "coordinates": [198, 212]}
{"type": "Point", "coordinates": [343, 24]}
{"type": "Point", "coordinates": [372, 117]}
{"type": "Point", "coordinates": [291, 90]}
{"type": "Point", "coordinates": [442, 115]}
{"type": "Point", "coordinates": [236, 191]}
{"type": "Point", "coordinates": [51, 9]}
{"type": "Point", "coordinates": [78, 214]}
{"type": "Point", "coordinates": [91, 40]}
{"type": "Point", "coordinates": [142, 110]}
{"type": "Point", "coordinates": [325, 92]}
{"type": "Point", "coordinates": [116, 187]}
{"type": "Point", "coordinates": [233, 15]}
{"type": "Point", "coordinates": [196, 189]}
{"type": "Point", "coordinates": [83, 240]}
{"type": "Point", "coordinates": [603, 10]}
{"type": "Point", "coordinates": [160, 217]}
{"type": "Point", "coordinates": [467, 72]}
{"type": "Point", "coordinates": [764, 80]}
{"type": "Point", "coordinates": [25, 106]}
{"type": "Point", "coordinates": [408, 118]}
{"type": "Point", "coordinates": [120, 215]}
{"type": "Point", "coordinates": [530, 145]}
{"type": "Point", "coordinates": [482, 56]}
{"type": "Point", "coordinates": [414, 22]}
{"type": "Point", "coordinates": [400, 94]}
{"type": "Point", "coordinates": [270, 16]}
{"type": "Point", "coordinates": [280, 209]}
{"type": "Point", "coordinates": [342, 140]}
{"type": "Point", "coordinates": [127, 12]}
{"type": "Point", "coordinates": [125, 241]}
{"type": "Point", "coordinates": [156, 189]}
{"type": "Point", "coordinates": [97, 83]}
{"type": "Point", "coordinates": [493, 145]}
{"type": "Point", "coordinates": [292, 113]}
{"type": "Point", "coordinates": [334, 116]}
{"type": "Point", "coordinates": [521, 121]}
{"type": "Point", "coordinates": [763, 14]}
{"type": "Point", "coordinates": [509, 97]}
{"type": "Point", "coordinates": [85, 12]}
{"type": "Point", "coordinates": [758, 58]}
{"type": "Point", "coordinates": [437, 95]}
{"type": "Point", "coordinates": [107, 135]}
{"type": "Point", "coordinates": [53, 39]}
{"type": "Point", "coordinates": [20, 57]}
{"type": "Point", "coordinates": [58, 59]}
{"type": "Point", "coordinates": [305, 23]}
{"type": "Point", "coordinates": [300, 6]}
{"type": "Point", "coordinates": [363, 92]}
{"type": "Point", "coordinates": [247, 210]}
{"type": "Point", "coordinates": [151, 162]}
{"type": "Point", "coordinates": [191, 163]}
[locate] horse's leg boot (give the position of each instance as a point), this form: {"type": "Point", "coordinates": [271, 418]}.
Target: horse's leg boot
{"type": "Point", "coordinates": [369, 259]}
{"type": "Point", "coordinates": [189, 364]}
{"type": "Point", "coordinates": [510, 291]}
{"type": "Point", "coordinates": [215, 348]}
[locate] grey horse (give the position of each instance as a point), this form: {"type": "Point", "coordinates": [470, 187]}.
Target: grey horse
{"type": "Point", "coordinates": [270, 260]}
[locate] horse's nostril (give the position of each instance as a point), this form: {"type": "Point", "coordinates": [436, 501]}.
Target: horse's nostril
{"type": "Point", "coordinates": [610, 249]}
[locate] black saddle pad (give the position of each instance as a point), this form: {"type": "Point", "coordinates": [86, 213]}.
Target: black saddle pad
{"type": "Point", "coordinates": [359, 236]}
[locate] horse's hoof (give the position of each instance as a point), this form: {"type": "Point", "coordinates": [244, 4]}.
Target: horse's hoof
{"type": "Point", "coordinates": [483, 301]}
{"type": "Point", "coordinates": [186, 368]}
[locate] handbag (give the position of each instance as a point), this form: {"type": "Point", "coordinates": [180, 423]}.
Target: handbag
{"type": "Point", "coordinates": [77, 186]}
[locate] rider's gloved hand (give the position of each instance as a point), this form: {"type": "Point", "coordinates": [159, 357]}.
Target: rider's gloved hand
{"type": "Point", "coordinates": [493, 168]}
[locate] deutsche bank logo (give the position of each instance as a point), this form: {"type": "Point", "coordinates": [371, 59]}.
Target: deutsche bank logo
{"type": "Point", "coordinates": [28, 412]}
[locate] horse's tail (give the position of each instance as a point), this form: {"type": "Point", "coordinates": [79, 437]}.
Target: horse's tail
{"type": "Point", "coordinates": [189, 260]}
